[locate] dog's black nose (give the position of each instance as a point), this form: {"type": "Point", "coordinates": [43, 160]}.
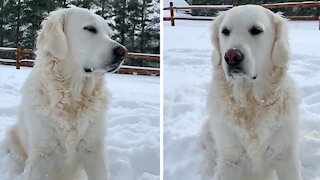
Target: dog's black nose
{"type": "Point", "coordinates": [233, 57]}
{"type": "Point", "coordinates": [120, 52]}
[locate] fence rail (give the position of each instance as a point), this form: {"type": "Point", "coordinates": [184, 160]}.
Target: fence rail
{"type": "Point", "coordinates": [18, 62]}
{"type": "Point", "coordinates": [172, 17]}
{"type": "Point", "coordinates": [292, 4]}
{"type": "Point", "coordinates": [215, 7]}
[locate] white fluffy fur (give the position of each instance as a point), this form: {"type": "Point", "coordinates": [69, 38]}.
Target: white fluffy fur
{"type": "Point", "coordinates": [61, 126]}
{"type": "Point", "coordinates": [252, 125]}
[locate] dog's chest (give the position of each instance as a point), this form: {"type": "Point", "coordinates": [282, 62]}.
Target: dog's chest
{"type": "Point", "coordinates": [254, 127]}
{"type": "Point", "coordinates": [79, 126]}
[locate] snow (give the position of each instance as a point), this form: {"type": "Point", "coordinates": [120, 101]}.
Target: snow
{"type": "Point", "coordinates": [7, 49]}
{"type": "Point", "coordinates": [187, 73]}
{"type": "Point", "coordinates": [140, 68]}
{"type": "Point", "coordinates": [13, 60]}
{"type": "Point", "coordinates": [132, 141]}
{"type": "Point", "coordinates": [145, 54]}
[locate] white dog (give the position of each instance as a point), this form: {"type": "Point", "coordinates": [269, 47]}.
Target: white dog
{"type": "Point", "coordinates": [61, 125]}
{"type": "Point", "coordinates": [252, 102]}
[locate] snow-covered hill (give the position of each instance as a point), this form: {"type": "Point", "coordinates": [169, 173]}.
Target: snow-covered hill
{"type": "Point", "coordinates": [187, 73]}
{"type": "Point", "coordinates": [132, 140]}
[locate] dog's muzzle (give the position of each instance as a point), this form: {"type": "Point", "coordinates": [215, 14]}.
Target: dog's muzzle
{"type": "Point", "coordinates": [119, 53]}
{"type": "Point", "coordinates": [234, 59]}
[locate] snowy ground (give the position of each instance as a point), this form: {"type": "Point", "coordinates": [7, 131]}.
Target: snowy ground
{"type": "Point", "coordinates": [187, 72]}
{"type": "Point", "coordinates": [133, 124]}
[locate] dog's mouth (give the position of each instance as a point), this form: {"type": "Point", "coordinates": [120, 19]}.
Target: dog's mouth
{"type": "Point", "coordinates": [114, 67]}
{"type": "Point", "coordinates": [88, 70]}
{"type": "Point", "coordinates": [109, 68]}
{"type": "Point", "coordinates": [238, 72]}
{"type": "Point", "coordinates": [235, 71]}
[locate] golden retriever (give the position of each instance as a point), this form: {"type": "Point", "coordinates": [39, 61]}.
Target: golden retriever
{"type": "Point", "coordinates": [252, 102]}
{"type": "Point", "coordinates": [61, 126]}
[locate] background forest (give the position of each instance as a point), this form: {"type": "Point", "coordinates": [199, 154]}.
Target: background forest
{"type": "Point", "coordinates": [135, 22]}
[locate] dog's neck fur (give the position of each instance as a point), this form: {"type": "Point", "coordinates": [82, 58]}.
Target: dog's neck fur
{"type": "Point", "coordinates": [69, 86]}
{"type": "Point", "coordinates": [243, 91]}
{"type": "Point", "coordinates": [68, 98]}
{"type": "Point", "coordinates": [244, 104]}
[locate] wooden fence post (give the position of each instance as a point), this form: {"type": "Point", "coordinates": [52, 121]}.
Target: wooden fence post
{"type": "Point", "coordinates": [18, 56]}
{"type": "Point", "coordinates": [234, 3]}
{"type": "Point", "coordinates": [172, 14]}
{"type": "Point", "coordinates": [319, 15]}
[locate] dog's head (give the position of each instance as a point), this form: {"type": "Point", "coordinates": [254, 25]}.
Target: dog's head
{"type": "Point", "coordinates": [81, 40]}
{"type": "Point", "coordinates": [249, 41]}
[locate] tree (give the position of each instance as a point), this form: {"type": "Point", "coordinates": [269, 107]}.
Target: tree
{"type": "Point", "coordinates": [81, 3]}
{"type": "Point", "coordinates": [135, 23]}
{"type": "Point", "coordinates": [11, 18]}
{"type": "Point", "coordinates": [102, 8]}
{"type": "Point", "coordinates": [2, 23]}
{"type": "Point", "coordinates": [133, 18]}
{"type": "Point", "coordinates": [33, 13]}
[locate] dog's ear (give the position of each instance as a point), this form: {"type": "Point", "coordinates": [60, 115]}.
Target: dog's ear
{"type": "Point", "coordinates": [51, 37]}
{"type": "Point", "coordinates": [281, 50]}
{"type": "Point", "coordinates": [215, 39]}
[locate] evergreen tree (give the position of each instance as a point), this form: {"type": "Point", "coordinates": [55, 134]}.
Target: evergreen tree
{"type": "Point", "coordinates": [150, 35]}
{"type": "Point", "coordinates": [11, 18]}
{"type": "Point", "coordinates": [135, 23]}
{"type": "Point", "coordinates": [2, 23]}
{"type": "Point", "coordinates": [102, 8]}
{"type": "Point", "coordinates": [133, 18]}
{"type": "Point", "coordinates": [33, 13]}
{"type": "Point", "coordinates": [81, 3]}
{"type": "Point", "coordinates": [119, 14]}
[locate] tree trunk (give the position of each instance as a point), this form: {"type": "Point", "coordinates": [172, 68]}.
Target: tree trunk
{"type": "Point", "coordinates": [122, 30]}
{"type": "Point", "coordinates": [142, 26]}
{"type": "Point", "coordinates": [18, 23]}
{"type": "Point", "coordinates": [1, 25]}
{"type": "Point", "coordinates": [133, 35]}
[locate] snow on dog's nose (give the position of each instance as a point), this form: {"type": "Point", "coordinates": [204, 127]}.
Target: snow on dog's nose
{"type": "Point", "coordinates": [233, 57]}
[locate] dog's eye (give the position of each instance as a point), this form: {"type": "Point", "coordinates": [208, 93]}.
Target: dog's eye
{"type": "Point", "coordinates": [90, 29]}
{"type": "Point", "coordinates": [226, 31]}
{"type": "Point", "coordinates": [255, 30]}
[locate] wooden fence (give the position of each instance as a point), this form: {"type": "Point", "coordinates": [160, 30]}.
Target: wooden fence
{"type": "Point", "coordinates": [19, 52]}
{"type": "Point", "coordinates": [172, 18]}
